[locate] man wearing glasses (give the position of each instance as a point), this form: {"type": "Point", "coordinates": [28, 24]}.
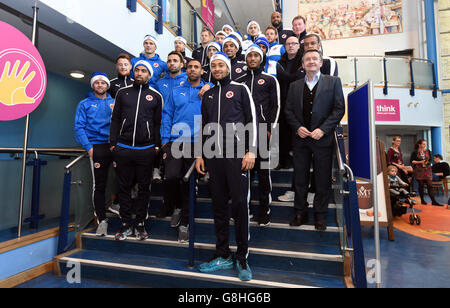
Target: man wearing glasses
{"type": "Point", "coordinates": [289, 69]}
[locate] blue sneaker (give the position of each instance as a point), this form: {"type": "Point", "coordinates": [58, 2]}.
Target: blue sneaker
{"type": "Point", "coordinates": [216, 264]}
{"type": "Point", "coordinates": [245, 273]}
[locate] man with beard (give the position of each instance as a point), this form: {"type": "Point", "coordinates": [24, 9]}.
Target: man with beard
{"type": "Point", "coordinates": [277, 23]}
{"type": "Point", "coordinates": [92, 123]}
{"type": "Point", "coordinates": [135, 140]}
{"type": "Point", "coordinates": [165, 86]}
{"type": "Point", "coordinates": [149, 54]}
{"type": "Point", "coordinates": [123, 66]}
{"type": "Point", "coordinates": [180, 46]}
{"type": "Point", "coordinates": [231, 48]}
{"type": "Point", "coordinates": [179, 113]}
{"type": "Point", "coordinates": [276, 50]}
{"type": "Point", "coordinates": [265, 91]}
{"type": "Point", "coordinates": [227, 109]}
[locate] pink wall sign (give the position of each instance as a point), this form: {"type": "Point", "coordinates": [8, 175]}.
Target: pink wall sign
{"type": "Point", "coordinates": [208, 13]}
{"type": "Point", "coordinates": [387, 110]}
{"type": "Point", "coordinates": [23, 79]}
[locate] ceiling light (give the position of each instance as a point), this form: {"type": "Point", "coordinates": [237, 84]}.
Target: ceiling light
{"type": "Point", "coordinates": [77, 74]}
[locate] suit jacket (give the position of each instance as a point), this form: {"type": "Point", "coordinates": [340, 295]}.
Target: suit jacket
{"type": "Point", "coordinates": [328, 108]}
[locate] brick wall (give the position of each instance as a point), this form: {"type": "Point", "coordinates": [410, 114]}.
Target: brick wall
{"type": "Point", "coordinates": [444, 42]}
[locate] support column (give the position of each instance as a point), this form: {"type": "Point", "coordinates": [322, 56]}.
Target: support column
{"type": "Point", "coordinates": [436, 140]}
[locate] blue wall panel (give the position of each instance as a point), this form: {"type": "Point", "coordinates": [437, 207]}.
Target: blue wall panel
{"type": "Point", "coordinates": [51, 124]}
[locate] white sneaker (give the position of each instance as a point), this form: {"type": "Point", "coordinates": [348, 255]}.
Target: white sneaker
{"type": "Point", "coordinates": [102, 229]}
{"type": "Point", "coordinates": [289, 196]}
{"type": "Point", "coordinates": [157, 175]}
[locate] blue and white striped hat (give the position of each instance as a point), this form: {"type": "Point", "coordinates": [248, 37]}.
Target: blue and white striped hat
{"type": "Point", "coordinates": [99, 76]}
{"type": "Point", "coordinates": [145, 64]}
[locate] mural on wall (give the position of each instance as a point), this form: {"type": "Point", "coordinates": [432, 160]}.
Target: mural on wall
{"type": "Point", "coordinates": [336, 19]}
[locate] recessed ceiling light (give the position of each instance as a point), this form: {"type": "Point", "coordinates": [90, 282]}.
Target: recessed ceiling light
{"type": "Point", "coordinates": [77, 74]}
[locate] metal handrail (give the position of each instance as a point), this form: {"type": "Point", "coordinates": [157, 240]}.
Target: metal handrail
{"type": "Point", "coordinates": [189, 173]}
{"type": "Point", "coordinates": [339, 156]}
{"type": "Point", "coordinates": [42, 150]}
{"type": "Point", "coordinates": [75, 161]}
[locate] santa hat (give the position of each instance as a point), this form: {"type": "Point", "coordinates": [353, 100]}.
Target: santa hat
{"type": "Point", "coordinates": [252, 22]}
{"type": "Point", "coordinates": [99, 76]}
{"type": "Point", "coordinates": [181, 39]}
{"type": "Point", "coordinates": [222, 57]}
{"type": "Point", "coordinates": [227, 26]}
{"type": "Point", "coordinates": [233, 39]}
{"type": "Point", "coordinates": [221, 33]}
{"type": "Point", "coordinates": [152, 38]}
{"type": "Point", "coordinates": [145, 64]}
{"type": "Point", "coordinates": [261, 40]}
{"type": "Point", "coordinates": [215, 45]}
{"type": "Point", "coordinates": [254, 48]}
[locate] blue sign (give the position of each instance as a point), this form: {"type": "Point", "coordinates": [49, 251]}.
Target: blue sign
{"type": "Point", "coordinates": [359, 132]}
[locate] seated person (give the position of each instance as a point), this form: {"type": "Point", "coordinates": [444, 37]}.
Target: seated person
{"type": "Point", "coordinates": [440, 168]}
{"type": "Point", "coordinates": [395, 183]}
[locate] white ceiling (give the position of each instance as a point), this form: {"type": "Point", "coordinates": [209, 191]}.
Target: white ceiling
{"type": "Point", "coordinates": [60, 55]}
{"type": "Point", "coordinates": [242, 11]}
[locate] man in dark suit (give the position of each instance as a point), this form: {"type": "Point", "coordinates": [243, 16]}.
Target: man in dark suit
{"type": "Point", "coordinates": [314, 107]}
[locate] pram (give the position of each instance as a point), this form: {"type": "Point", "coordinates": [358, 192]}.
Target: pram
{"type": "Point", "coordinates": [397, 202]}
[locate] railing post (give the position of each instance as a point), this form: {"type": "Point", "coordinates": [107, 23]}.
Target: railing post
{"type": "Point", "coordinates": [435, 83]}
{"type": "Point", "coordinates": [195, 30]}
{"type": "Point", "coordinates": [159, 21]}
{"type": "Point", "coordinates": [192, 204]}
{"type": "Point", "coordinates": [358, 255]}
{"type": "Point", "coordinates": [412, 92]}
{"type": "Point", "coordinates": [131, 5]}
{"type": "Point", "coordinates": [64, 220]}
{"type": "Point", "coordinates": [34, 218]}
{"type": "Point", "coordinates": [180, 26]}
{"type": "Point", "coordinates": [385, 89]}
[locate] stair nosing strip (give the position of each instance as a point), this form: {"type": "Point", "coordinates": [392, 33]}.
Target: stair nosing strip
{"type": "Point", "coordinates": [255, 224]}
{"type": "Point", "coordinates": [178, 274]}
{"type": "Point", "coordinates": [260, 251]}
{"type": "Point", "coordinates": [255, 202]}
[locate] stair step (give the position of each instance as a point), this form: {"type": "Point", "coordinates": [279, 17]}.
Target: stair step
{"type": "Point", "coordinates": [312, 259]}
{"type": "Point", "coordinates": [163, 272]}
{"type": "Point", "coordinates": [278, 214]}
{"type": "Point", "coordinates": [282, 232]}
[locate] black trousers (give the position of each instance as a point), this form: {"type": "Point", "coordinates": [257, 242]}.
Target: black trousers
{"type": "Point", "coordinates": [228, 180]}
{"type": "Point", "coordinates": [306, 151]}
{"type": "Point", "coordinates": [262, 167]}
{"type": "Point", "coordinates": [131, 166]}
{"type": "Point", "coordinates": [176, 191]}
{"type": "Point", "coordinates": [285, 141]}
{"type": "Point", "coordinates": [100, 164]}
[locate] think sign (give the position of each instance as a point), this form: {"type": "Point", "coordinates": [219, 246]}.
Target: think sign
{"type": "Point", "coordinates": [23, 79]}
{"type": "Point", "coordinates": [387, 110]}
